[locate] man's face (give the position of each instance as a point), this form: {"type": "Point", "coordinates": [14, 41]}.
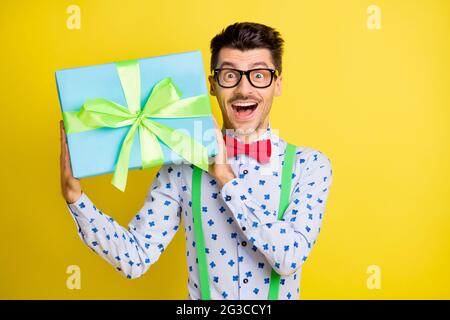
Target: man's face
{"type": "Point", "coordinates": [244, 107]}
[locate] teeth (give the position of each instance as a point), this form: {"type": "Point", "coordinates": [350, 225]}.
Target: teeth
{"type": "Point", "coordinates": [244, 104]}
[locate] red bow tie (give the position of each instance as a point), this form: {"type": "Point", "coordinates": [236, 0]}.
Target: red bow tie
{"type": "Point", "coordinates": [259, 150]}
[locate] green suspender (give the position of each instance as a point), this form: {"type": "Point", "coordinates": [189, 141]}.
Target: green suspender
{"type": "Point", "coordinates": [286, 180]}
{"type": "Point", "coordinates": [198, 229]}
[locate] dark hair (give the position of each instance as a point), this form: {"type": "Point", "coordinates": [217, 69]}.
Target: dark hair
{"type": "Point", "coordinates": [246, 36]}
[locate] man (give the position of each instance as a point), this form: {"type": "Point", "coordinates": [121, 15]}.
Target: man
{"type": "Point", "coordinates": [244, 239]}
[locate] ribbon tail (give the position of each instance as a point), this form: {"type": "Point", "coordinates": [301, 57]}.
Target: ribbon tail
{"type": "Point", "coordinates": [151, 152]}
{"type": "Point", "coordinates": [120, 176]}
{"type": "Point", "coordinates": [180, 143]}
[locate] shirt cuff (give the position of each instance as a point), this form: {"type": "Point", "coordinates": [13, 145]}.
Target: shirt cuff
{"type": "Point", "coordinates": [84, 208]}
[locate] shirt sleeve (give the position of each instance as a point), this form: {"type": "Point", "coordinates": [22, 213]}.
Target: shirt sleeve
{"type": "Point", "coordinates": [132, 251]}
{"type": "Point", "coordinates": [285, 243]}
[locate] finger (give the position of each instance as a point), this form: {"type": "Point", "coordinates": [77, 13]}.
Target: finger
{"type": "Point", "coordinates": [66, 148]}
{"type": "Point", "coordinates": [63, 149]}
{"type": "Point", "coordinates": [67, 166]}
{"type": "Point", "coordinates": [218, 130]}
{"type": "Point", "coordinates": [65, 158]}
{"type": "Point", "coordinates": [222, 152]}
{"type": "Point", "coordinates": [216, 124]}
{"type": "Point", "coordinates": [62, 134]}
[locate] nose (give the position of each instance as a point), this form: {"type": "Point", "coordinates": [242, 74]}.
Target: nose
{"type": "Point", "coordinates": [244, 87]}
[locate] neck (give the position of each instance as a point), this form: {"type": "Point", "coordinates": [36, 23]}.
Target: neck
{"type": "Point", "coordinates": [249, 135]}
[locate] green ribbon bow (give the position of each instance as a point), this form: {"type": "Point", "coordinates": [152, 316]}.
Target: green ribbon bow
{"type": "Point", "coordinates": [164, 102]}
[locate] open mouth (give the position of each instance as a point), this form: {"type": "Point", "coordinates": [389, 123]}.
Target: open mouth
{"type": "Point", "coordinates": [244, 110]}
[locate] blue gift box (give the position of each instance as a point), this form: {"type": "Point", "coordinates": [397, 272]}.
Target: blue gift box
{"type": "Point", "coordinates": [95, 152]}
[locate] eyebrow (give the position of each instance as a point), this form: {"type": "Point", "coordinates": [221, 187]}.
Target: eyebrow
{"type": "Point", "coordinates": [230, 64]}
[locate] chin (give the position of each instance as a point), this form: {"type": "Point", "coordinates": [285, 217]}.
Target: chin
{"type": "Point", "coordinates": [245, 128]}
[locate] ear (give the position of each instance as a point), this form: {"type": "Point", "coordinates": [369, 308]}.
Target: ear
{"type": "Point", "coordinates": [278, 85]}
{"type": "Point", "coordinates": [212, 91]}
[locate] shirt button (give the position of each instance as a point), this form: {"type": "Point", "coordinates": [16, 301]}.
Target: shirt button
{"type": "Point", "coordinates": [245, 280]}
{"type": "Point", "coordinates": [245, 171]}
{"type": "Point", "coordinates": [228, 198]}
{"type": "Point", "coordinates": [244, 243]}
{"type": "Point", "coordinates": [244, 228]}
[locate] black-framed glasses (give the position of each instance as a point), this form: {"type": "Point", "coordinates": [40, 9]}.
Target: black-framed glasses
{"type": "Point", "coordinates": [259, 78]}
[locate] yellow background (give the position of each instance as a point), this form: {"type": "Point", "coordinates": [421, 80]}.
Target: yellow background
{"type": "Point", "coordinates": [376, 102]}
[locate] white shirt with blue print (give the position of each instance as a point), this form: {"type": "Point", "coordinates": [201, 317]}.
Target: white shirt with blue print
{"type": "Point", "coordinates": [244, 239]}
